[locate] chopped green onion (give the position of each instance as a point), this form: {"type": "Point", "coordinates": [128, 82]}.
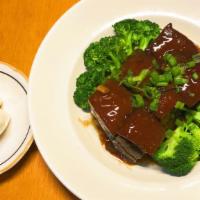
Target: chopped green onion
{"type": "Point", "coordinates": [131, 80]}
{"type": "Point", "coordinates": [177, 70]}
{"type": "Point", "coordinates": [179, 80]}
{"type": "Point", "coordinates": [178, 89]}
{"type": "Point", "coordinates": [154, 104]}
{"type": "Point", "coordinates": [195, 76]}
{"type": "Point", "coordinates": [155, 64]}
{"type": "Point", "coordinates": [141, 76]}
{"type": "Point", "coordinates": [151, 92]}
{"type": "Point", "coordinates": [154, 76]}
{"type": "Point", "coordinates": [162, 84]}
{"type": "Point", "coordinates": [166, 77]}
{"type": "Point", "coordinates": [167, 69]}
{"type": "Point", "coordinates": [160, 79]}
{"type": "Point", "coordinates": [137, 101]}
{"type": "Point", "coordinates": [196, 58]}
{"type": "Point", "coordinates": [170, 59]}
{"type": "Point", "coordinates": [191, 64]}
{"type": "Point", "coordinates": [179, 105]}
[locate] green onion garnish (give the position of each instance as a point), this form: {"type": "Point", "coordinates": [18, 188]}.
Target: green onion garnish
{"type": "Point", "coordinates": [195, 76]}
{"type": "Point", "coordinates": [179, 105]}
{"type": "Point", "coordinates": [179, 80]}
{"type": "Point", "coordinates": [178, 89]}
{"type": "Point", "coordinates": [177, 70]}
{"type": "Point", "coordinates": [131, 80]}
{"type": "Point", "coordinates": [141, 76]}
{"type": "Point", "coordinates": [170, 59]}
{"type": "Point", "coordinates": [154, 105]}
{"type": "Point", "coordinates": [160, 79]}
{"type": "Point", "coordinates": [155, 64]}
{"type": "Point", "coordinates": [162, 84]}
{"type": "Point", "coordinates": [196, 58]}
{"type": "Point", "coordinates": [191, 64]}
{"type": "Point", "coordinates": [137, 101]}
{"type": "Point", "coordinates": [151, 92]}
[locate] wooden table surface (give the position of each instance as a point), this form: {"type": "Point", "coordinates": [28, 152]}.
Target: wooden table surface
{"type": "Point", "coordinates": [23, 25]}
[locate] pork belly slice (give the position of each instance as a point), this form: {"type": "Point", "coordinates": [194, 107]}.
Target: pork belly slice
{"type": "Point", "coordinates": [130, 151]}
{"type": "Point", "coordinates": [143, 130]}
{"type": "Point", "coordinates": [135, 63]}
{"type": "Point", "coordinates": [110, 108]}
{"type": "Point", "coordinates": [167, 102]}
{"type": "Point", "coordinates": [174, 42]}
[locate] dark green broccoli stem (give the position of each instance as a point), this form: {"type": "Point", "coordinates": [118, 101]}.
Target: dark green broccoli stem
{"type": "Point", "coordinates": [144, 42]}
{"type": "Point", "coordinates": [129, 44]}
{"type": "Point", "coordinates": [115, 70]}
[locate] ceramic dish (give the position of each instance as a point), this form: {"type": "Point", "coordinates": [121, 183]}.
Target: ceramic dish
{"type": "Point", "coordinates": [17, 138]}
{"type": "Point", "coordinates": [74, 152]}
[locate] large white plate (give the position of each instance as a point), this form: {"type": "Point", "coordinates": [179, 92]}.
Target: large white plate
{"type": "Point", "coordinates": [74, 152]}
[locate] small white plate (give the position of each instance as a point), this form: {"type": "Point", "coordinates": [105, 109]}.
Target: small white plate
{"type": "Point", "coordinates": [17, 138]}
{"type": "Point", "coordinates": [74, 152]}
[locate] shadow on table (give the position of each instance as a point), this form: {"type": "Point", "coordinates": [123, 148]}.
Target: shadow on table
{"type": "Point", "coordinates": [10, 173]}
{"type": "Point", "coordinates": [16, 169]}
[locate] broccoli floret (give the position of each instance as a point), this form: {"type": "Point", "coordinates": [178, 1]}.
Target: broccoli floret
{"type": "Point", "coordinates": [181, 149]}
{"type": "Point", "coordinates": [179, 153]}
{"type": "Point", "coordinates": [140, 33]}
{"type": "Point", "coordinates": [106, 54]}
{"type": "Point", "coordinates": [195, 133]}
{"type": "Point", "coordinates": [85, 86]}
{"type": "Point", "coordinates": [182, 170]}
{"type": "Point", "coordinates": [125, 27]}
